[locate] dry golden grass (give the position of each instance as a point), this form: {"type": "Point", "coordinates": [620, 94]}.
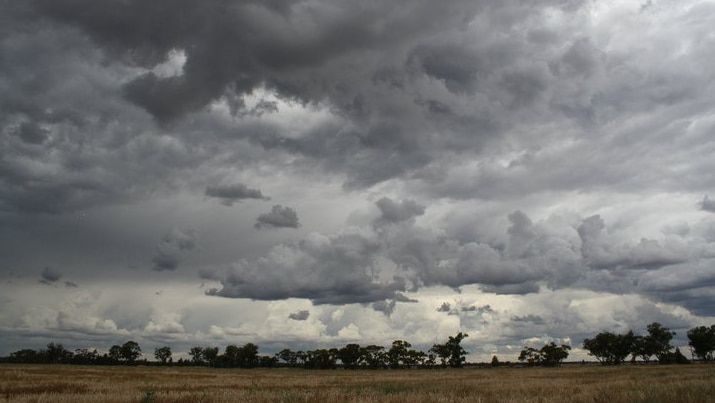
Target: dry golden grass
{"type": "Point", "coordinates": [653, 383]}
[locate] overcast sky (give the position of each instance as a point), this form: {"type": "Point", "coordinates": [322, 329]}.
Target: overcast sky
{"type": "Point", "coordinates": [309, 173]}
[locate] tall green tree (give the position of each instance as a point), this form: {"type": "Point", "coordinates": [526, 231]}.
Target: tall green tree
{"type": "Point", "coordinates": [374, 356]}
{"type": "Point", "coordinates": [197, 355]}
{"type": "Point", "coordinates": [288, 356]}
{"type": "Point", "coordinates": [56, 354]}
{"type": "Point", "coordinates": [451, 353]}
{"type": "Point", "coordinates": [130, 351]}
{"type": "Point", "coordinates": [610, 348]}
{"type": "Point", "coordinates": [702, 342]}
{"type": "Point", "coordinates": [209, 355]}
{"type": "Point", "coordinates": [398, 354]}
{"type": "Point", "coordinates": [115, 353]}
{"type": "Point", "coordinates": [658, 340]}
{"type": "Point", "coordinates": [162, 354]}
{"type": "Point", "coordinates": [350, 355]}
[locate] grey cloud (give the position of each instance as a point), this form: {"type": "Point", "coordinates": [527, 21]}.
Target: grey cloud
{"type": "Point", "coordinates": [521, 234]}
{"type": "Point", "coordinates": [333, 269]}
{"type": "Point", "coordinates": [419, 99]}
{"type": "Point", "coordinates": [32, 133]}
{"type": "Point", "coordinates": [179, 239]}
{"type": "Point", "coordinates": [300, 52]}
{"type": "Point", "coordinates": [70, 284]}
{"type": "Point", "coordinates": [707, 204]}
{"type": "Point", "coordinates": [165, 261]}
{"type": "Point", "coordinates": [278, 217]}
{"type": "Point", "coordinates": [601, 252]}
{"type": "Point", "coordinates": [445, 307]}
{"type": "Point", "coordinates": [387, 307]}
{"type": "Point", "coordinates": [478, 309]}
{"type": "Point", "coordinates": [300, 315]}
{"type": "Point", "coordinates": [229, 194]}
{"type": "Point", "coordinates": [395, 212]}
{"type": "Point", "coordinates": [535, 319]}
{"type": "Point", "coordinates": [50, 275]}
{"type": "Point", "coordinates": [171, 246]}
{"type": "Point", "coordinates": [522, 288]}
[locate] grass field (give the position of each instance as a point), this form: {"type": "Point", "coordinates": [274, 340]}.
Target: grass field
{"type": "Point", "coordinates": [653, 383]}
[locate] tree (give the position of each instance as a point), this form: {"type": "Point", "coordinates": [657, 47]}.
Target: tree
{"type": "Point", "coordinates": [495, 361]}
{"type": "Point", "coordinates": [451, 353]}
{"type": "Point", "coordinates": [702, 342]}
{"type": "Point", "coordinates": [531, 356]}
{"type": "Point", "coordinates": [610, 348]}
{"type": "Point", "coordinates": [374, 356]}
{"type": "Point", "coordinates": [115, 353]}
{"type": "Point", "coordinates": [658, 340]}
{"type": "Point", "coordinates": [197, 355]}
{"type": "Point", "coordinates": [83, 356]}
{"type": "Point", "coordinates": [642, 347]}
{"type": "Point", "coordinates": [266, 361]}
{"type": "Point", "coordinates": [56, 354]}
{"type": "Point", "coordinates": [398, 354]}
{"type": "Point", "coordinates": [245, 356]}
{"type": "Point", "coordinates": [553, 355]}
{"type": "Point", "coordinates": [288, 356]}
{"type": "Point", "coordinates": [162, 354]}
{"type": "Point", "coordinates": [130, 351]}
{"type": "Point", "coordinates": [209, 355]}
{"type": "Point", "coordinates": [248, 355]}
{"type": "Point", "coordinates": [26, 356]}
{"type": "Point", "coordinates": [350, 356]}
{"type": "Point", "coordinates": [550, 355]}
{"type": "Point", "coordinates": [321, 359]}
{"type": "Point", "coordinates": [415, 357]}
{"type": "Point", "coordinates": [675, 357]}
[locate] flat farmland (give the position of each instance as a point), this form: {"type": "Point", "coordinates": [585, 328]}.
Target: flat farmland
{"type": "Point", "coordinates": [639, 383]}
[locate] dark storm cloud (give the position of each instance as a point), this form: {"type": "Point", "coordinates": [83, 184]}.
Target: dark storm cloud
{"type": "Point", "coordinates": [600, 252]}
{"type": "Point", "coordinates": [32, 133]}
{"type": "Point", "coordinates": [229, 194]}
{"type": "Point", "coordinates": [394, 212]}
{"type": "Point", "coordinates": [300, 315]}
{"type": "Point", "coordinates": [278, 217]}
{"type": "Point", "coordinates": [387, 307]}
{"type": "Point", "coordinates": [327, 270]}
{"type": "Point", "coordinates": [415, 94]}
{"type": "Point", "coordinates": [50, 275]}
{"type": "Point", "coordinates": [374, 65]}
{"type": "Point", "coordinates": [165, 261]}
{"type": "Point", "coordinates": [707, 205]}
{"type": "Point", "coordinates": [168, 251]}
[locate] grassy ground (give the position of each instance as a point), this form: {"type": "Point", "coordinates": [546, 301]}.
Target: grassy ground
{"type": "Point", "coordinates": [653, 383]}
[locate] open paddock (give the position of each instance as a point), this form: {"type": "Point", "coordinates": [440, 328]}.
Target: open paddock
{"type": "Point", "coordinates": [639, 383]}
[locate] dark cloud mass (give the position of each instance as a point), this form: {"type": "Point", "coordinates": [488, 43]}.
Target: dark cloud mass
{"type": "Point", "coordinates": [707, 204]}
{"type": "Point", "coordinates": [49, 275]}
{"type": "Point", "coordinates": [300, 315]}
{"type": "Point", "coordinates": [172, 245]}
{"type": "Point", "coordinates": [230, 194]}
{"type": "Point", "coordinates": [278, 217]}
{"type": "Point", "coordinates": [393, 212]}
{"type": "Point", "coordinates": [548, 154]}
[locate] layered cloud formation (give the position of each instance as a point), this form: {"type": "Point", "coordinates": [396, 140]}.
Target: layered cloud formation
{"type": "Point", "coordinates": [346, 169]}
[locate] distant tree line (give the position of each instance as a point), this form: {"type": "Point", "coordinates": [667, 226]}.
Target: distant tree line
{"type": "Point", "coordinates": [550, 355]}
{"type": "Point", "coordinates": [613, 349]}
{"type": "Point", "coordinates": [608, 348]}
{"type": "Point", "coordinates": [352, 356]}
